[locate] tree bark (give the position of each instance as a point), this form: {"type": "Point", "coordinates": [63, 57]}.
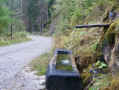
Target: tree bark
{"type": "Point", "coordinates": [21, 9]}
{"type": "Point", "coordinates": [11, 17]}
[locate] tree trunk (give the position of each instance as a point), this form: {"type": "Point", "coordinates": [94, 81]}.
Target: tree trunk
{"type": "Point", "coordinates": [11, 17]}
{"type": "Point", "coordinates": [21, 9]}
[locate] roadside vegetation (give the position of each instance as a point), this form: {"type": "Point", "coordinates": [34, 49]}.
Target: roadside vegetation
{"type": "Point", "coordinates": [40, 63]}
{"type": "Point", "coordinates": [12, 29]}
{"type": "Point", "coordinates": [17, 38]}
{"type": "Point", "coordinates": [89, 45]}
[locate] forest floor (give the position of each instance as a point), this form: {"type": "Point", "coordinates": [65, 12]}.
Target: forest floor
{"type": "Point", "coordinates": [15, 74]}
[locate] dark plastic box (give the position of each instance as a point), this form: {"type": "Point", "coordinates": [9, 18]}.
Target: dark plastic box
{"type": "Point", "coordinates": [61, 79]}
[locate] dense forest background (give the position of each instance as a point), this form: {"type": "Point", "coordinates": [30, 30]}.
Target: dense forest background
{"type": "Point", "coordinates": [24, 15]}
{"type": "Point", "coordinates": [50, 15]}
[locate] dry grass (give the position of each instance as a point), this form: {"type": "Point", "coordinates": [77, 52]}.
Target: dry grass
{"type": "Point", "coordinates": [80, 40]}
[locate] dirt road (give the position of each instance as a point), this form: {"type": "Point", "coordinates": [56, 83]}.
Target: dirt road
{"type": "Point", "coordinates": [14, 71]}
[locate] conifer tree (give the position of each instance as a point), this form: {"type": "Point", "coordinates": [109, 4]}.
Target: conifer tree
{"type": "Point", "coordinates": [4, 17]}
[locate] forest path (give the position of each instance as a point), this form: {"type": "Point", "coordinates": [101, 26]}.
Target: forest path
{"type": "Point", "coordinates": [14, 71]}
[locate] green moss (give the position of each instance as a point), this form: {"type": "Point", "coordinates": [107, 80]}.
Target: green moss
{"type": "Point", "coordinates": [100, 48]}
{"type": "Point", "coordinates": [110, 34]}
{"type": "Point", "coordinates": [101, 82]}
{"type": "Point", "coordinates": [86, 76]}
{"type": "Point", "coordinates": [106, 15]}
{"type": "Point", "coordinates": [107, 39]}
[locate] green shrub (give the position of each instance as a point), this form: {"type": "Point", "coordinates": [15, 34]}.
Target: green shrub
{"type": "Point", "coordinates": [20, 34]}
{"type": "Point", "coordinates": [4, 17]}
{"type": "Point", "coordinates": [19, 26]}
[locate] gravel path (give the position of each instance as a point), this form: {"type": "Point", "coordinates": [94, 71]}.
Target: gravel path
{"type": "Point", "coordinates": [14, 71]}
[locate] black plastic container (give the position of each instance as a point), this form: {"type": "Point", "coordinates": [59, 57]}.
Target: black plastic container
{"type": "Point", "coordinates": [63, 78]}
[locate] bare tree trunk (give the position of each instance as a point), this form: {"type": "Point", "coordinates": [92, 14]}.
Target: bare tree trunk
{"type": "Point", "coordinates": [11, 31]}
{"type": "Point", "coordinates": [11, 17]}
{"type": "Point", "coordinates": [21, 9]}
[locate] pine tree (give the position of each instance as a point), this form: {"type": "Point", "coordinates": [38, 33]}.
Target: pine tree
{"type": "Point", "coordinates": [4, 17]}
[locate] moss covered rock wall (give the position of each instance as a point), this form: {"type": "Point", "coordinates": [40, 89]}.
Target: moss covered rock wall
{"type": "Point", "coordinates": [108, 48]}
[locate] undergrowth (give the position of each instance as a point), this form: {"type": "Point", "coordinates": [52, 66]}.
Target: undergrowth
{"type": "Point", "coordinates": [17, 38]}
{"type": "Point", "coordinates": [40, 63]}
{"type": "Point", "coordinates": [83, 42]}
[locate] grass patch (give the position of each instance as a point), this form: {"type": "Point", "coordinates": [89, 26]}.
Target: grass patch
{"type": "Point", "coordinates": [40, 63]}
{"type": "Point", "coordinates": [18, 37]}
{"type": "Point", "coordinates": [13, 41]}
{"type": "Point", "coordinates": [101, 82]}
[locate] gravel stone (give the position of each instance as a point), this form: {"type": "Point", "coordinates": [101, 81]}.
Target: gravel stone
{"type": "Point", "coordinates": [15, 74]}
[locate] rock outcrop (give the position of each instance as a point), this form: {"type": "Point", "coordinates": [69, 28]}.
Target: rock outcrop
{"type": "Point", "coordinates": [108, 48]}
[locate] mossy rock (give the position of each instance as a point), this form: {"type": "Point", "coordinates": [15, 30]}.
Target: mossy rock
{"type": "Point", "coordinates": [86, 76]}
{"type": "Point", "coordinates": [107, 39]}
{"type": "Point", "coordinates": [115, 84]}
{"type": "Point", "coordinates": [110, 34]}
{"type": "Point", "coordinates": [106, 16]}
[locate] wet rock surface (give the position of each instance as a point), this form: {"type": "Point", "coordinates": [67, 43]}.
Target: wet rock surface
{"type": "Point", "coordinates": [14, 71]}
